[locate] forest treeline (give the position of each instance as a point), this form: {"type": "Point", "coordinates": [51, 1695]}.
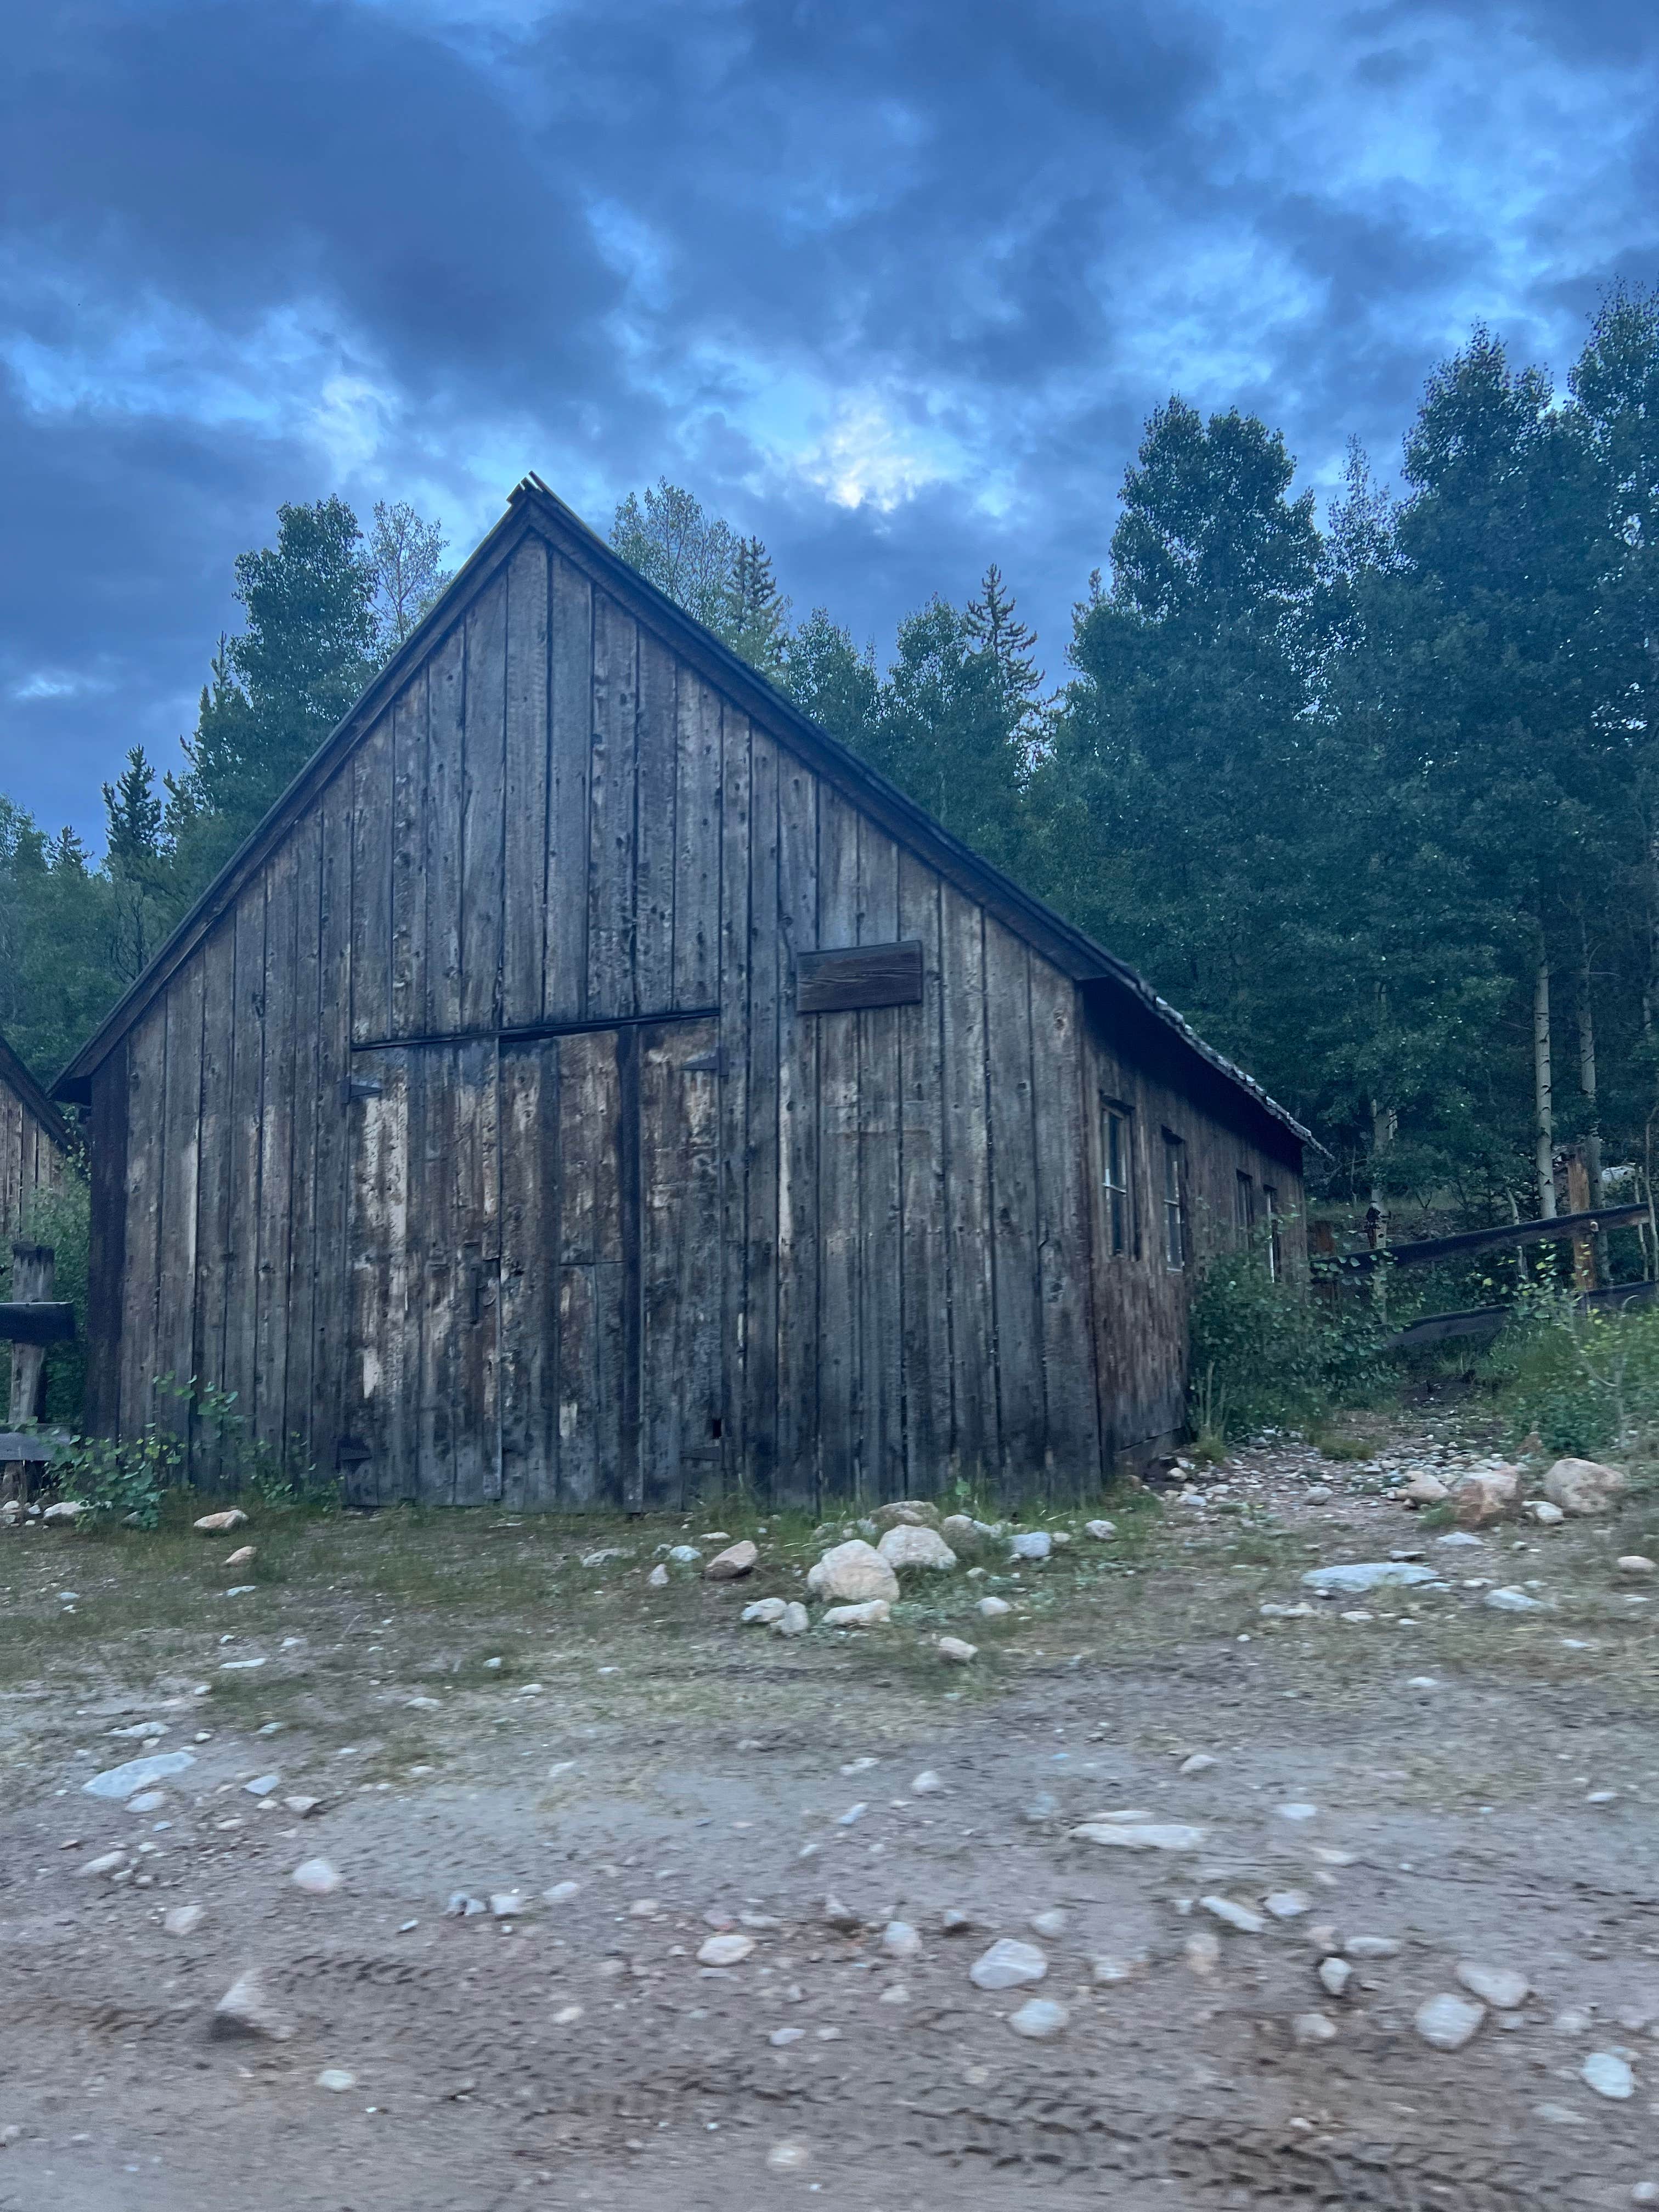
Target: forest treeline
{"type": "Point", "coordinates": [1373, 799]}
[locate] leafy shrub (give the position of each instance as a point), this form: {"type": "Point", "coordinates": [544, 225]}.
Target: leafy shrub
{"type": "Point", "coordinates": [1582, 1382]}
{"type": "Point", "coordinates": [62, 1219]}
{"type": "Point", "coordinates": [1267, 1353]}
{"type": "Point", "coordinates": [126, 1479]}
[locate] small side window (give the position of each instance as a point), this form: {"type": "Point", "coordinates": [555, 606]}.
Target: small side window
{"type": "Point", "coordinates": [1174, 1201]}
{"type": "Point", "coordinates": [1275, 1257]}
{"type": "Point", "coordinates": [1244, 1205]}
{"type": "Point", "coordinates": [1117, 1155]}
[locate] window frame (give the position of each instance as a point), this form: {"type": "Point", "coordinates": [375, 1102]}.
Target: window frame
{"type": "Point", "coordinates": [1275, 1251]}
{"type": "Point", "coordinates": [1244, 1205]}
{"type": "Point", "coordinates": [1178, 1237]}
{"type": "Point", "coordinates": [1121, 1214]}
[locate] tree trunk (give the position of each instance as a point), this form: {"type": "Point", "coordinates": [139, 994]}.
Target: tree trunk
{"type": "Point", "coordinates": [1541, 1076]}
{"type": "Point", "coordinates": [1592, 1139]}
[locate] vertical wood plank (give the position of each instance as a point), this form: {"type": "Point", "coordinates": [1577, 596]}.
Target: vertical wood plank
{"type": "Point", "coordinates": [330, 1311]}
{"type": "Point", "coordinates": [681, 1406]}
{"type": "Point", "coordinates": [473, 1194]}
{"type": "Point", "coordinates": [484, 825]}
{"type": "Point", "coordinates": [696, 843]}
{"type": "Point", "coordinates": [1014, 1210]}
{"type": "Point", "coordinates": [371, 885]}
{"type": "Point", "coordinates": [611, 800]}
{"type": "Point", "coordinates": [798, 1475]}
{"type": "Point", "coordinates": [1072, 1440]}
{"type": "Point", "coordinates": [590, 1272]}
{"type": "Point", "coordinates": [735, 833]}
{"type": "Point", "coordinates": [881, 1284]}
{"type": "Point", "coordinates": [247, 1070]}
{"type": "Point", "coordinates": [529, 1322]}
{"type": "Point", "coordinates": [527, 786]}
{"type": "Point", "coordinates": [176, 1234]}
{"type": "Point", "coordinates": [217, 959]}
{"type": "Point", "coordinates": [444, 810]}
{"type": "Point", "coordinates": [145, 1197]}
{"type": "Point", "coordinates": [106, 1247]}
{"type": "Point", "coordinates": [409, 874]}
{"type": "Point", "coordinates": [309, 1113]}
{"type": "Point", "coordinates": [977, 1438]}
{"type": "Point", "coordinates": [571, 705]}
{"type": "Point", "coordinates": [278, 1028]}
{"type": "Point", "coordinates": [760, 1266]}
{"type": "Point", "coordinates": [840, 1408]}
{"type": "Point", "coordinates": [657, 763]}
{"type": "Point", "coordinates": [924, 1260]}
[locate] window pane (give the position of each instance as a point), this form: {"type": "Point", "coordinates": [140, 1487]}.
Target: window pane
{"type": "Point", "coordinates": [1116, 1146]}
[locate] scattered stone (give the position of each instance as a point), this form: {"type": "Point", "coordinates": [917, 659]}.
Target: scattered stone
{"type": "Point", "coordinates": [248, 2008]}
{"type": "Point", "coordinates": [221, 1524]}
{"type": "Point", "coordinates": [1366, 1575]}
{"type": "Point", "coordinates": [961, 1533]}
{"type": "Point", "coordinates": [956, 1652]}
{"type": "Point", "coordinates": [1645, 2192]}
{"type": "Point", "coordinates": [731, 1565]}
{"type": "Point", "coordinates": [1334, 1975]}
{"type": "Point", "coordinates": [1372, 1947]}
{"type": "Point", "coordinates": [263, 1784]}
{"type": "Point", "coordinates": [1234, 1916]}
{"type": "Point", "coordinates": [337, 2078]}
{"type": "Point", "coordinates": [1425, 1489]}
{"type": "Point", "coordinates": [781, 2038]}
{"type": "Point", "coordinates": [1030, 1544]}
{"type": "Point", "coordinates": [793, 1621]}
{"type": "Point", "coordinates": [1273, 1611]}
{"type": "Point", "coordinates": [1448, 2021]}
{"type": "Point", "coordinates": [244, 1558]}
{"type": "Point", "coordinates": [1142, 1836]}
{"type": "Point", "coordinates": [1008, 1964]}
{"type": "Point", "coordinates": [896, 1993]}
{"type": "Point", "coordinates": [1039, 2019]}
{"type": "Point", "coordinates": [137, 1774]}
{"type": "Point", "coordinates": [1199, 1762]}
{"type": "Point", "coordinates": [506, 1904]}
{"type": "Point", "coordinates": [64, 1512]}
{"type": "Point", "coordinates": [1313, 2027]}
{"type": "Point", "coordinates": [910, 1546]}
{"type": "Point", "coordinates": [994, 1608]}
{"type": "Point", "coordinates": [899, 1939]}
{"type": "Point", "coordinates": [1288, 1904]}
{"type": "Point", "coordinates": [240, 1665]}
{"type": "Point", "coordinates": [1318, 1493]}
{"type": "Point", "coordinates": [560, 1893]}
{"type": "Point", "coordinates": [1202, 1952]}
{"type": "Point", "coordinates": [1106, 1968]}
{"type": "Point", "coordinates": [1296, 1812]}
{"type": "Point", "coordinates": [605, 1554]}
{"type": "Point", "coordinates": [874, 1612]}
{"type": "Point", "coordinates": [183, 1919]}
{"type": "Point", "coordinates": [1583, 1485]}
{"type": "Point", "coordinates": [788, 2158]}
{"type": "Point", "coordinates": [1510, 1600]}
{"type": "Point", "coordinates": [1101, 1531]}
{"type": "Point", "coordinates": [906, 1513]}
{"type": "Point", "coordinates": [765, 1610]}
{"type": "Point", "coordinates": [726, 1950]}
{"type": "Point", "coordinates": [1497, 1986]}
{"type": "Point", "coordinates": [1461, 1539]}
{"type": "Point", "coordinates": [685, 1555]}
{"type": "Point", "coordinates": [317, 1877]}
{"type": "Point", "coordinates": [1542, 1514]}
{"type": "Point", "coordinates": [954, 1922]}
{"type": "Point", "coordinates": [144, 1731]}
{"type": "Point", "coordinates": [657, 1577]}
{"type": "Point", "coordinates": [1052, 1923]}
{"type": "Point", "coordinates": [1608, 2074]}
{"type": "Point", "coordinates": [1635, 1567]}
{"type": "Point", "coordinates": [1485, 1494]}
{"type": "Point", "coordinates": [302, 1806]}
{"type": "Point", "coordinates": [106, 1863]}
{"type": "Point", "coordinates": [838, 1915]}
{"type": "Point", "coordinates": [852, 1573]}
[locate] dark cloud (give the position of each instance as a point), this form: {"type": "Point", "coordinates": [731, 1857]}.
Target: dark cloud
{"type": "Point", "coordinates": [895, 285]}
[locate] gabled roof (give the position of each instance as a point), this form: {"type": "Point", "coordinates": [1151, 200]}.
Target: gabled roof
{"type": "Point", "coordinates": [533, 506]}
{"type": "Point", "coordinates": [16, 1077]}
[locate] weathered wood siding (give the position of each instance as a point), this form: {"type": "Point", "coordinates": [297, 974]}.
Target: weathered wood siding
{"type": "Point", "coordinates": [482, 1147]}
{"type": "Point", "coordinates": [31, 1155]}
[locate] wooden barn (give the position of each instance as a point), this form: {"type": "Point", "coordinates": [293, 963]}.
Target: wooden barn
{"type": "Point", "coordinates": [34, 1144]}
{"type": "Point", "coordinates": [592, 1085]}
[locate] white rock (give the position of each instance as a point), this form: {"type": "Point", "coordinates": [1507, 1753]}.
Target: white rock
{"type": "Point", "coordinates": [144, 1731]}
{"type": "Point", "coordinates": [765, 1610]}
{"type": "Point", "coordinates": [1142, 1835]}
{"type": "Point", "coordinates": [1608, 2074]}
{"type": "Point", "coordinates": [302, 1806]}
{"type": "Point", "coordinates": [221, 1524]}
{"type": "Point", "coordinates": [1635, 1567]}
{"type": "Point", "coordinates": [956, 1652]}
{"type": "Point", "coordinates": [1030, 1544]}
{"type": "Point", "coordinates": [899, 1939]}
{"type": "Point", "coordinates": [906, 1513]}
{"type": "Point", "coordinates": [242, 1558]}
{"type": "Point", "coordinates": [1485, 1494]}
{"type": "Point", "coordinates": [1200, 1762]}
{"type": "Point", "coordinates": [1202, 1952]}
{"type": "Point", "coordinates": [1039, 2018]}
{"type": "Point", "coordinates": [657, 1577]}
{"type": "Point", "coordinates": [146, 1801]}
{"type": "Point", "coordinates": [994, 1608]}
{"type": "Point", "coordinates": [1425, 1489]}
{"type": "Point", "coordinates": [1318, 1493]}
{"type": "Point", "coordinates": [1645, 2192]}
{"type": "Point", "coordinates": [316, 1877]}
{"type": "Point", "coordinates": [731, 1565]}
{"type": "Point", "coordinates": [837, 1914]}
{"type": "Point", "coordinates": [137, 1774]}
{"type": "Point", "coordinates": [1366, 1574]}
{"type": "Point", "coordinates": [263, 1784]}
{"type": "Point", "coordinates": [1509, 1600]}
{"type": "Point", "coordinates": [1008, 1964]}
{"type": "Point", "coordinates": [1313, 2027]}
{"type": "Point", "coordinates": [1288, 1904]}
{"type": "Point", "coordinates": [506, 1904]}
{"type": "Point", "coordinates": [793, 1621]}
{"type": "Point", "coordinates": [926, 1784]}
{"type": "Point", "coordinates": [1273, 1611]}
{"type": "Point", "coordinates": [602, 1558]}
{"type": "Point", "coordinates": [248, 2008]}
{"type": "Point", "coordinates": [1101, 1531]}
{"type": "Point", "coordinates": [242, 1666]}
{"type": "Point", "coordinates": [560, 1893]}
{"type": "Point", "coordinates": [895, 1993]}
{"type": "Point", "coordinates": [685, 1555]}
{"type": "Point", "coordinates": [67, 1509]}
{"type": "Point", "coordinates": [1107, 1966]}
{"type": "Point", "coordinates": [1461, 1539]}
{"type": "Point", "coordinates": [1235, 1916]}
{"type": "Point", "coordinates": [337, 2078]}
{"type": "Point", "coordinates": [852, 1573]}
{"type": "Point", "coordinates": [905, 1547]}
{"type": "Point", "coordinates": [1372, 1947]}
{"type": "Point", "coordinates": [106, 1863]}
{"type": "Point", "coordinates": [1539, 1511]}
{"type": "Point", "coordinates": [183, 1919]}
{"type": "Point", "coordinates": [1052, 1923]}
{"type": "Point", "coordinates": [1583, 1485]}
{"type": "Point", "coordinates": [960, 1533]}
{"type": "Point", "coordinates": [1500, 1986]}
{"type": "Point", "coordinates": [1334, 1975]}
{"type": "Point", "coordinates": [726, 1950]}
{"type": "Point", "coordinates": [1448, 2021]}
{"type": "Point", "coordinates": [874, 1613]}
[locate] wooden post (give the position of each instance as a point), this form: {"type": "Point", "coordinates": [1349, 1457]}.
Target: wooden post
{"type": "Point", "coordinates": [1579, 1201]}
{"type": "Point", "coordinates": [33, 1271]}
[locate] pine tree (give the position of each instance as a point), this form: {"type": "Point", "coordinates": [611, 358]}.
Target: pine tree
{"type": "Point", "coordinates": [754, 614]}
{"type": "Point", "coordinates": [993, 628]}
{"type": "Point", "coordinates": [133, 813]}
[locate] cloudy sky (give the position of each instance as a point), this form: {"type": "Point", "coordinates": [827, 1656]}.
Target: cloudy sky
{"type": "Point", "coordinates": [892, 281]}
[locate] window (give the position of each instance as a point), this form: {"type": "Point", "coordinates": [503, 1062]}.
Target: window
{"type": "Point", "coordinates": [1245, 1207]}
{"type": "Point", "coordinates": [1275, 1257]}
{"type": "Point", "coordinates": [1174, 1201]}
{"type": "Point", "coordinates": [1117, 1155]}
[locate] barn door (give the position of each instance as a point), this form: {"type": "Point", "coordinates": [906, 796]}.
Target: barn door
{"type": "Point", "coordinates": [610, 1367]}
{"type": "Point", "coordinates": [421, 1414]}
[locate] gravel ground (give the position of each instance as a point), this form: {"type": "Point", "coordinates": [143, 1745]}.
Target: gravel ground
{"type": "Point", "coordinates": [476, 1710]}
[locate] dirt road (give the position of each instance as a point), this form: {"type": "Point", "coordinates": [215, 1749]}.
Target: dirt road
{"type": "Point", "coordinates": [476, 1710]}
